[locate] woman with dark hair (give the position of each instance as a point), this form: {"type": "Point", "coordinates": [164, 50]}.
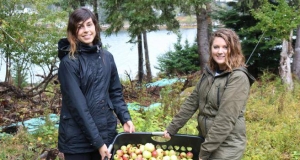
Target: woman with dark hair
{"type": "Point", "coordinates": [92, 98]}
{"type": "Point", "coordinates": [220, 96]}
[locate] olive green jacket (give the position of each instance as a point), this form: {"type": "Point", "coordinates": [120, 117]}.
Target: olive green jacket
{"type": "Point", "coordinates": [221, 101]}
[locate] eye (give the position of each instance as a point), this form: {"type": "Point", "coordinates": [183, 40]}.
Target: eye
{"type": "Point", "coordinates": [79, 26]}
{"type": "Point", "coordinates": [216, 47]}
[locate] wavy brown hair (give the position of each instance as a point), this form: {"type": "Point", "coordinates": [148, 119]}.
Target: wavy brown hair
{"type": "Point", "coordinates": [77, 16]}
{"type": "Point", "coordinates": [234, 57]}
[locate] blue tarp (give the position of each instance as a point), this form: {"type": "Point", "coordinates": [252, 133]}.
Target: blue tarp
{"type": "Point", "coordinates": [164, 82]}
{"type": "Point", "coordinates": [136, 106]}
{"type": "Point", "coordinates": [33, 123]}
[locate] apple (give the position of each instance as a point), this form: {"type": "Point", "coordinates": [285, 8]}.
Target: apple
{"type": "Point", "coordinates": [149, 147]}
{"type": "Point", "coordinates": [172, 152]}
{"type": "Point", "coordinates": [137, 151]}
{"type": "Point", "coordinates": [182, 155]}
{"type": "Point", "coordinates": [146, 154]}
{"type": "Point", "coordinates": [173, 157]}
{"type": "Point", "coordinates": [116, 157]}
{"type": "Point", "coordinates": [166, 158]}
{"type": "Point", "coordinates": [189, 148]}
{"type": "Point", "coordinates": [119, 152]}
{"type": "Point", "coordinates": [125, 156]}
{"type": "Point", "coordinates": [139, 157]}
{"type": "Point", "coordinates": [133, 155]}
{"type": "Point", "coordinates": [154, 153]}
{"type": "Point", "coordinates": [129, 146]}
{"type": "Point", "coordinates": [142, 147]}
{"type": "Point", "coordinates": [124, 148]}
{"type": "Point", "coordinates": [160, 152]}
{"type": "Point", "coordinates": [189, 155]}
{"type": "Point", "coordinates": [166, 152]}
{"type": "Point", "coordinates": [131, 150]}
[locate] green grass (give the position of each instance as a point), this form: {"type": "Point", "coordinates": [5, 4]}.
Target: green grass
{"type": "Point", "coordinates": [273, 124]}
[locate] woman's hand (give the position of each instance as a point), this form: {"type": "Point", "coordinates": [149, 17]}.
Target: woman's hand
{"type": "Point", "coordinates": [129, 127]}
{"type": "Point", "coordinates": [104, 152]}
{"type": "Point", "coordinates": [166, 134]}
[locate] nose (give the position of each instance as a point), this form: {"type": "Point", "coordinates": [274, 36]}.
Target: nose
{"type": "Point", "coordinates": [221, 51]}
{"type": "Point", "coordinates": [85, 28]}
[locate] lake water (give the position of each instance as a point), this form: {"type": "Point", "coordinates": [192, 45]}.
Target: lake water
{"type": "Point", "coordinates": [126, 55]}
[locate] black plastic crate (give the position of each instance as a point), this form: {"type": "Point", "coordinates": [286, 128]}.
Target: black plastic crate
{"type": "Point", "coordinates": [178, 142]}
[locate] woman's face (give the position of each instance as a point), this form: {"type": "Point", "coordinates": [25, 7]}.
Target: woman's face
{"type": "Point", "coordinates": [86, 31]}
{"type": "Point", "coordinates": [219, 50]}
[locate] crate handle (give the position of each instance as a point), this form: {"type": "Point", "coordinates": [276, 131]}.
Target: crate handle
{"type": "Point", "coordinates": [109, 151]}
{"type": "Point", "coordinates": [157, 133]}
{"type": "Point", "coordinates": [110, 148]}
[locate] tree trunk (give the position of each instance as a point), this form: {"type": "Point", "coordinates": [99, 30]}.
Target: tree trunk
{"type": "Point", "coordinates": [140, 62]}
{"type": "Point", "coordinates": [95, 6]}
{"type": "Point", "coordinates": [147, 60]}
{"type": "Point", "coordinates": [209, 20]}
{"type": "Point", "coordinates": [202, 36]}
{"type": "Point", "coordinates": [285, 63]}
{"type": "Point", "coordinates": [8, 77]}
{"type": "Point", "coordinates": [296, 60]}
{"type": "Point", "coordinates": [81, 3]}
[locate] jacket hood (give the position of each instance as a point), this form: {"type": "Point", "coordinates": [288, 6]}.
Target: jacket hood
{"type": "Point", "coordinates": [64, 48]}
{"type": "Point", "coordinates": [245, 70]}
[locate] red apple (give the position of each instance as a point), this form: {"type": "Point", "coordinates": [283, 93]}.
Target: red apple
{"type": "Point", "coordinates": [189, 155]}
{"type": "Point", "coordinates": [119, 152]}
{"type": "Point", "coordinates": [125, 156]}
{"type": "Point", "coordinates": [154, 153]}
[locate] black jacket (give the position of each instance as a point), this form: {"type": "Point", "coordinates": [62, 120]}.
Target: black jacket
{"type": "Point", "coordinates": [91, 98]}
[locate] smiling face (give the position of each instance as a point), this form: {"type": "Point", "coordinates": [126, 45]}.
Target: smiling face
{"type": "Point", "coordinates": [219, 51]}
{"type": "Point", "coordinates": [86, 31]}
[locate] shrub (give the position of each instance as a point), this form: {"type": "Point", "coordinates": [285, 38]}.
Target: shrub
{"type": "Point", "coordinates": [183, 60]}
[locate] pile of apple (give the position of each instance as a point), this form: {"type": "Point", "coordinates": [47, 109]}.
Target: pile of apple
{"type": "Point", "coordinates": [149, 152]}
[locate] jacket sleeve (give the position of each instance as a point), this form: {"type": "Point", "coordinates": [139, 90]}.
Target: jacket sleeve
{"type": "Point", "coordinates": [232, 102]}
{"type": "Point", "coordinates": [116, 95]}
{"type": "Point", "coordinates": [76, 102]}
{"type": "Point", "coordinates": [187, 110]}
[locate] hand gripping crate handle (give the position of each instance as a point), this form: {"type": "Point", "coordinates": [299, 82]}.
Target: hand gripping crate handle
{"type": "Point", "coordinates": [109, 151]}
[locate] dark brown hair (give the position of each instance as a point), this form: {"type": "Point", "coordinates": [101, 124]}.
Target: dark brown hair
{"type": "Point", "coordinates": [79, 15]}
{"type": "Point", "coordinates": [234, 58]}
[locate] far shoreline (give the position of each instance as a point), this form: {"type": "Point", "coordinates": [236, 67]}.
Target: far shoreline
{"type": "Point", "coordinates": [182, 26]}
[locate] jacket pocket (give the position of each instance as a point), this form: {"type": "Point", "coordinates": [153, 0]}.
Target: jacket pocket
{"type": "Point", "coordinates": [69, 130]}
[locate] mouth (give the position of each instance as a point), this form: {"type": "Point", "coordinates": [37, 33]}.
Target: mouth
{"type": "Point", "coordinates": [87, 36]}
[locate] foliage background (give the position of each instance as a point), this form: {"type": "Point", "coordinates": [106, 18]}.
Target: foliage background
{"type": "Point", "coordinates": [272, 118]}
